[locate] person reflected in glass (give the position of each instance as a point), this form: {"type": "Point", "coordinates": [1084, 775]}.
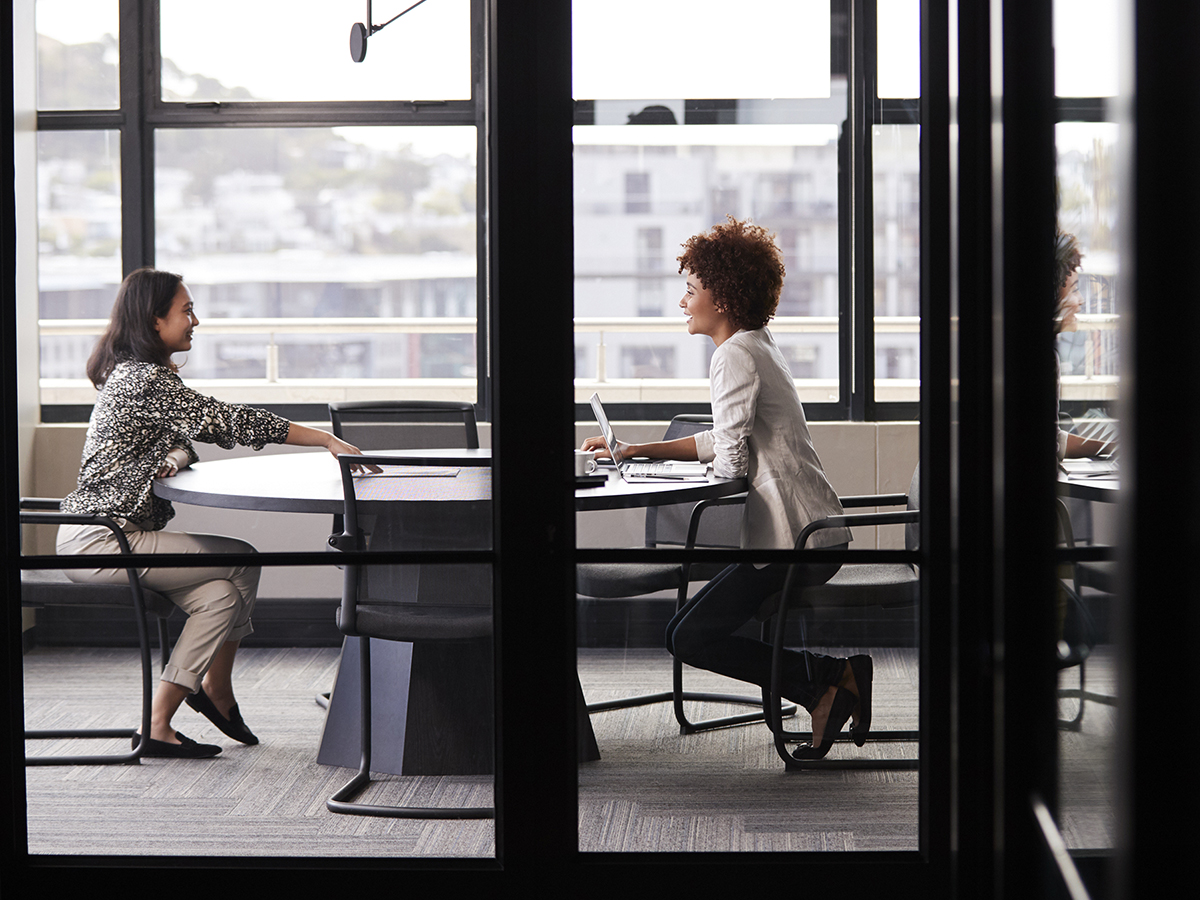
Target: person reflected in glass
{"type": "Point", "coordinates": [734, 276]}
{"type": "Point", "coordinates": [142, 428]}
{"type": "Point", "coordinates": [1067, 261]}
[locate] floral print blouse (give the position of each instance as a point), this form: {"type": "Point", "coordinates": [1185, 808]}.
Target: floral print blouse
{"type": "Point", "coordinates": [143, 412]}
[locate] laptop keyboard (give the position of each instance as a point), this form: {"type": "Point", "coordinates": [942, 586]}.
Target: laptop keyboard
{"type": "Point", "coordinates": [658, 469]}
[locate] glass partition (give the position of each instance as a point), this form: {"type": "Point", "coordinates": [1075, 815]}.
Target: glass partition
{"type": "Point", "coordinates": [1093, 210]}
{"type": "Point", "coordinates": [663, 152]}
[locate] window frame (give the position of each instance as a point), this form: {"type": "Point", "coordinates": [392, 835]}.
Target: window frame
{"type": "Point", "coordinates": [142, 112]}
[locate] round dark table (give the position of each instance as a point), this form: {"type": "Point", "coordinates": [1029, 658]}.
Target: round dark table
{"type": "Point", "coordinates": [309, 482]}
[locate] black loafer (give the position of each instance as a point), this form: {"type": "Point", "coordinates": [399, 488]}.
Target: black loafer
{"type": "Point", "coordinates": [843, 705]}
{"type": "Point", "coordinates": [185, 749]}
{"type": "Point", "coordinates": [232, 727]}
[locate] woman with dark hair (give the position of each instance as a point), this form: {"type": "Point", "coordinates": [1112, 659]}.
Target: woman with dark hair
{"type": "Point", "coordinates": [1067, 259]}
{"type": "Point", "coordinates": [734, 275]}
{"type": "Point", "coordinates": [142, 427]}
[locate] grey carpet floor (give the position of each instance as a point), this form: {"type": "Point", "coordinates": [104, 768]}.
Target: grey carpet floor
{"type": "Point", "coordinates": [653, 790]}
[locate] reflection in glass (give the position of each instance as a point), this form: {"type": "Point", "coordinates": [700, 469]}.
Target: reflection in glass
{"type": "Point", "coordinates": [1089, 365]}
{"type": "Point", "coordinates": [896, 192]}
{"type": "Point", "coordinates": [78, 54]}
{"type": "Point", "coordinates": [299, 50]}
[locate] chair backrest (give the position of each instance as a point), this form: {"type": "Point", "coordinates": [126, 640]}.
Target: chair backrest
{"type": "Point", "coordinates": [416, 601]}
{"type": "Point", "coordinates": [720, 526]}
{"type": "Point", "coordinates": [385, 424]}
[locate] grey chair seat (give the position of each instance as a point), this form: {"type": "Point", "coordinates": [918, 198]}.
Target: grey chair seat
{"type": "Point", "coordinates": [608, 580]}
{"type": "Point", "coordinates": [42, 588]}
{"type": "Point", "coordinates": [867, 584]}
{"type": "Point", "coordinates": [1099, 575]}
{"type": "Point", "coordinates": [422, 622]}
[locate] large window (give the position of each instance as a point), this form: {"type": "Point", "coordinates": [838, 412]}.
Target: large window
{"type": "Point", "coordinates": [663, 151]}
{"type": "Point", "coordinates": [330, 239]}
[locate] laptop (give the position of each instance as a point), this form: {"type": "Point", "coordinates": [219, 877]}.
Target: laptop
{"type": "Point", "coordinates": [656, 471]}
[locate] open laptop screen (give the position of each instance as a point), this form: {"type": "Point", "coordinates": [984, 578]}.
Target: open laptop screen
{"type": "Point", "coordinates": [605, 429]}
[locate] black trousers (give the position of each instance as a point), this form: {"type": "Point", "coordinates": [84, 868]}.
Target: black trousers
{"type": "Point", "coordinates": [702, 633]}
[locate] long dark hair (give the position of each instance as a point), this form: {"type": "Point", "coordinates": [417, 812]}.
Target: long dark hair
{"type": "Point", "coordinates": [144, 295]}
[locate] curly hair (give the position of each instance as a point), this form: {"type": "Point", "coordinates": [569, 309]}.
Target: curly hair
{"type": "Point", "coordinates": [1067, 257]}
{"type": "Point", "coordinates": [742, 266]}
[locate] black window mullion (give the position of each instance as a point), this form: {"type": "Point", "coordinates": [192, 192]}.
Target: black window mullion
{"type": "Point", "coordinates": [861, 91]}
{"type": "Point", "coordinates": [137, 141]}
{"type": "Point", "coordinates": [214, 114]}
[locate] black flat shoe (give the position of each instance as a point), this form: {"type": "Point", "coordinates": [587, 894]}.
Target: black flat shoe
{"type": "Point", "coordinates": [185, 749]}
{"type": "Point", "coordinates": [863, 672]}
{"type": "Point", "coordinates": [839, 712]}
{"type": "Point", "coordinates": [232, 727]}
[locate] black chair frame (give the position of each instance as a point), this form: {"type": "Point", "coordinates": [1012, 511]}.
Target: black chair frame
{"type": "Point", "coordinates": [343, 801]}
{"type": "Point", "coordinates": [43, 511]}
{"type": "Point", "coordinates": [341, 411]}
{"type": "Point", "coordinates": [1074, 656]}
{"type": "Point", "coordinates": [413, 411]}
{"type": "Point", "coordinates": [793, 596]}
{"type": "Point", "coordinates": [677, 696]}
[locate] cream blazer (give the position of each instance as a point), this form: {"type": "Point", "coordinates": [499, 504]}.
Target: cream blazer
{"type": "Point", "coordinates": [759, 432]}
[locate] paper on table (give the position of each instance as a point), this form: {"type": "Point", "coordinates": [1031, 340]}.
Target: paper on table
{"type": "Point", "coordinates": [411, 472]}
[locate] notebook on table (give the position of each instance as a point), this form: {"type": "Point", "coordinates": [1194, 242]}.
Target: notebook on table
{"type": "Point", "coordinates": [642, 471]}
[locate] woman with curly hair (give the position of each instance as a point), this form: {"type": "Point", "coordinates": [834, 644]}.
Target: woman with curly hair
{"type": "Point", "coordinates": [142, 428]}
{"type": "Point", "coordinates": [734, 274]}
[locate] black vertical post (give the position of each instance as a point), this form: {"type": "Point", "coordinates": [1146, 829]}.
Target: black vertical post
{"type": "Point", "coordinates": [974, 454]}
{"type": "Point", "coordinates": [861, 93]}
{"type": "Point", "coordinates": [1160, 486]}
{"type": "Point", "coordinates": [1024, 420]}
{"type": "Point", "coordinates": [137, 76]}
{"type": "Point", "coordinates": [937, 486]}
{"type": "Point", "coordinates": [532, 415]}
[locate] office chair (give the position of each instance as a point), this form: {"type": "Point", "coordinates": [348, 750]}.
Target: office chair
{"type": "Point", "coordinates": [887, 585]}
{"type": "Point", "coordinates": [371, 609]}
{"type": "Point", "coordinates": [709, 524]}
{"type": "Point", "coordinates": [384, 425]}
{"type": "Point", "coordinates": [1079, 632]}
{"type": "Point", "coordinates": [379, 424]}
{"type": "Point", "coordinates": [42, 588]}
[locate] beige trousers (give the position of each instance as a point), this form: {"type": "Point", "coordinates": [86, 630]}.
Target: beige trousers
{"type": "Point", "coordinates": [218, 600]}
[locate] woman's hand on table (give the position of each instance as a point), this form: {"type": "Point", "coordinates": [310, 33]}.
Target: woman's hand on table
{"type": "Point", "coordinates": [337, 446]}
{"type": "Point", "coordinates": [600, 448]}
{"type": "Point", "coordinates": [176, 460]}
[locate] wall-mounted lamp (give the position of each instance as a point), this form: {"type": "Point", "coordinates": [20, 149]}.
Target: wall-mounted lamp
{"type": "Point", "coordinates": [360, 32]}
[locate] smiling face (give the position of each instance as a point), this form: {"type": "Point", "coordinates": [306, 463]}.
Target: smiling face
{"type": "Point", "coordinates": [703, 317]}
{"type": "Point", "coordinates": [175, 329]}
{"type": "Point", "coordinates": [1069, 303]}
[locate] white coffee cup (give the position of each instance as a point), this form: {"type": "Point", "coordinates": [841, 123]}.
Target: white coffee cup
{"type": "Point", "coordinates": [585, 462]}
